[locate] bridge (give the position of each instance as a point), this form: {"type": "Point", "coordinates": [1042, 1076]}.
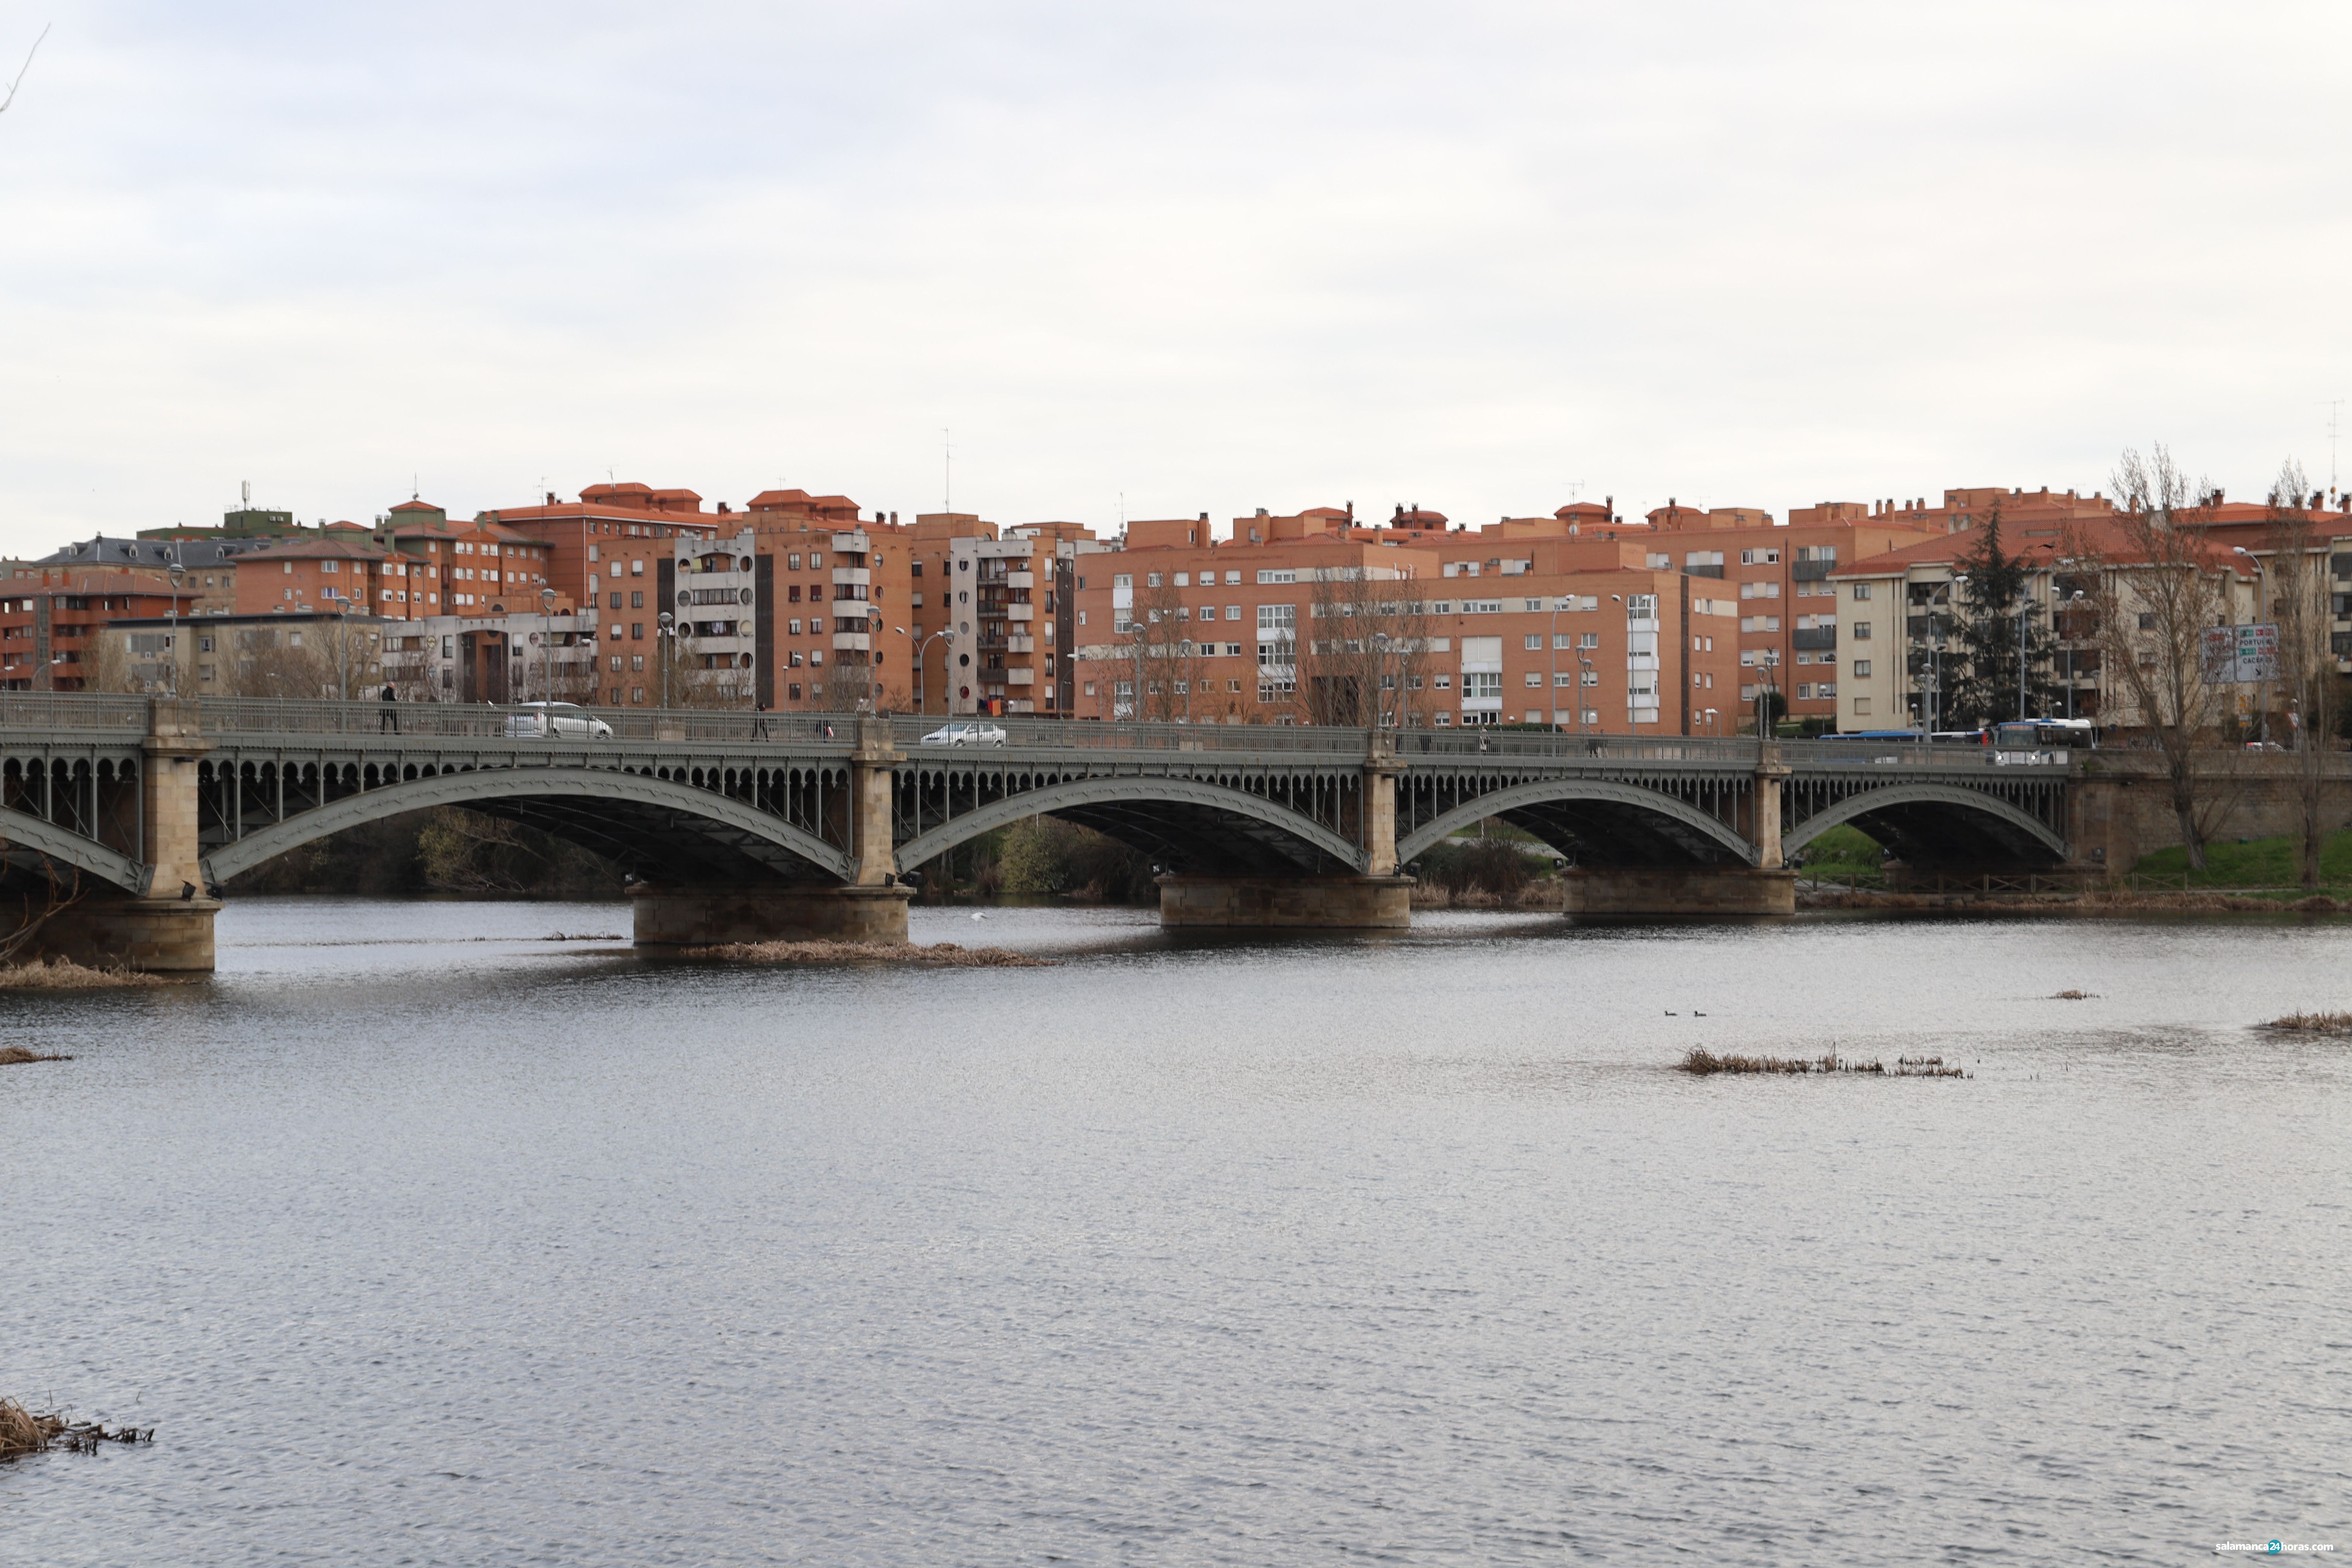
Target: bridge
{"type": "Point", "coordinates": [129, 814]}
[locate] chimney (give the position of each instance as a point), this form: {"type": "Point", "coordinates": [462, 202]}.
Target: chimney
{"type": "Point", "coordinates": [1205, 516]}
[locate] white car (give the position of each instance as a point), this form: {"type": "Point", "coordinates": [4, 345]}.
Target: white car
{"type": "Point", "coordinates": [564, 720]}
{"type": "Point", "coordinates": [965, 735]}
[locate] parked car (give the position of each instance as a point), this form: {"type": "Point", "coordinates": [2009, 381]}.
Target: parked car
{"type": "Point", "coordinates": [965, 734]}
{"type": "Point", "coordinates": [564, 721]}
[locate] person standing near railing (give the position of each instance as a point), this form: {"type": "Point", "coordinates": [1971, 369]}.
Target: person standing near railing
{"type": "Point", "coordinates": [391, 717]}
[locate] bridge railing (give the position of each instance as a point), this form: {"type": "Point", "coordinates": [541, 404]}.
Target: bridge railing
{"type": "Point", "coordinates": [72, 710]}
{"type": "Point", "coordinates": [1097, 734]}
{"type": "Point", "coordinates": [255, 716]}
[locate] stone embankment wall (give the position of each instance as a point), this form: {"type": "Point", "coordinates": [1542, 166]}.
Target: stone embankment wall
{"type": "Point", "coordinates": [2122, 802]}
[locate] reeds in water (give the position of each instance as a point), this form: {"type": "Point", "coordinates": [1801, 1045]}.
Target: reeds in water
{"type": "Point", "coordinates": [11, 1055]}
{"type": "Point", "coordinates": [65, 975]}
{"type": "Point", "coordinates": [2314, 1023]}
{"type": "Point", "coordinates": [940, 956]}
{"type": "Point", "coordinates": [1703, 1063]}
{"type": "Point", "coordinates": [24, 1431]}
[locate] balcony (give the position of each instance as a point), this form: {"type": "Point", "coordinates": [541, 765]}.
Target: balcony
{"type": "Point", "coordinates": [1020, 612]}
{"type": "Point", "coordinates": [1020, 644]}
{"type": "Point", "coordinates": [853, 642]}
{"type": "Point", "coordinates": [1811, 571]}
{"type": "Point", "coordinates": [859, 576]}
{"type": "Point", "coordinates": [1815, 637]}
{"type": "Point", "coordinates": [1021, 579]}
{"type": "Point", "coordinates": [1019, 674]}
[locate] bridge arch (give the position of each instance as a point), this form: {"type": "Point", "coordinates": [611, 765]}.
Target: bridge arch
{"type": "Point", "coordinates": [645, 824]}
{"type": "Point", "coordinates": [1165, 816]}
{"type": "Point", "coordinates": [1932, 824]}
{"type": "Point", "coordinates": [1644, 825]}
{"type": "Point", "coordinates": [22, 832]}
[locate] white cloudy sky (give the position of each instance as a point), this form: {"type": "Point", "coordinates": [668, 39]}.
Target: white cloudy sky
{"type": "Point", "coordinates": [1200, 257]}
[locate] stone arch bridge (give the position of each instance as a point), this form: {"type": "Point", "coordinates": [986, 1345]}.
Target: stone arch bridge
{"type": "Point", "coordinates": [131, 813]}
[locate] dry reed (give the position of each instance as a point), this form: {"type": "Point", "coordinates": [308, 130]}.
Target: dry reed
{"type": "Point", "coordinates": [2072, 996]}
{"type": "Point", "coordinates": [24, 1431]}
{"type": "Point", "coordinates": [1703, 1063]}
{"type": "Point", "coordinates": [15, 1056]}
{"type": "Point", "coordinates": [940, 955]}
{"type": "Point", "coordinates": [65, 975]}
{"type": "Point", "coordinates": [2314, 1023]}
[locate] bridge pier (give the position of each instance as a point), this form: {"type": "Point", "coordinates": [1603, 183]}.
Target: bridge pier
{"type": "Point", "coordinates": [1680, 891]}
{"type": "Point", "coordinates": [710, 917]}
{"type": "Point", "coordinates": [165, 928]}
{"type": "Point", "coordinates": [872, 907]}
{"type": "Point", "coordinates": [1337, 903]}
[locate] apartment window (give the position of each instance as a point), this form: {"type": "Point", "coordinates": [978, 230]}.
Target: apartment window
{"type": "Point", "coordinates": [1272, 576]}
{"type": "Point", "coordinates": [1862, 591]}
{"type": "Point", "coordinates": [1828, 688]}
{"type": "Point", "coordinates": [637, 631]}
{"type": "Point", "coordinates": [1589, 640]}
{"type": "Point", "coordinates": [637, 567]}
{"type": "Point", "coordinates": [1445, 683]}
{"type": "Point", "coordinates": [617, 666]}
{"type": "Point", "coordinates": [636, 694]}
{"type": "Point", "coordinates": [1563, 678]}
{"type": "Point", "coordinates": [1860, 668]}
{"type": "Point", "coordinates": [1760, 590]}
{"type": "Point", "coordinates": [1861, 707]}
{"type": "Point", "coordinates": [1861, 631]}
{"type": "Point", "coordinates": [1151, 579]}
{"type": "Point", "coordinates": [1591, 678]}
{"type": "Point", "coordinates": [1233, 612]}
{"type": "Point", "coordinates": [1533, 642]}
{"type": "Point", "coordinates": [1535, 677]}
{"type": "Point", "coordinates": [1761, 557]}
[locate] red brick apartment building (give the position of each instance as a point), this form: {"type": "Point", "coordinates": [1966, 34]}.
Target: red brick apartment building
{"type": "Point", "coordinates": [49, 621]}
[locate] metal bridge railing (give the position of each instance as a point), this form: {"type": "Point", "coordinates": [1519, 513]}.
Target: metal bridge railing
{"type": "Point", "coordinates": [72, 710]}
{"type": "Point", "coordinates": [266, 717]}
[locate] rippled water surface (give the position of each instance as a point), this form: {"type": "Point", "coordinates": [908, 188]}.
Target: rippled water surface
{"type": "Point", "coordinates": [420, 1242]}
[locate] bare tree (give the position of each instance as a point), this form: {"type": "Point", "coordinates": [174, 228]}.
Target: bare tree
{"type": "Point", "coordinates": [2156, 586]}
{"type": "Point", "coordinates": [1159, 662]}
{"type": "Point", "coordinates": [1363, 654]}
{"type": "Point", "coordinates": [2306, 660]}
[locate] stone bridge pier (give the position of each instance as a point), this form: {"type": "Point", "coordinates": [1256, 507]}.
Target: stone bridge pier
{"type": "Point", "coordinates": [871, 906]}
{"type": "Point", "coordinates": [1767, 887]}
{"type": "Point", "coordinates": [165, 924]}
{"type": "Point", "coordinates": [1375, 898]}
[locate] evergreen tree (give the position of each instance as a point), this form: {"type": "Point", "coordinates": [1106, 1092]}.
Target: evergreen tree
{"type": "Point", "coordinates": [1980, 670]}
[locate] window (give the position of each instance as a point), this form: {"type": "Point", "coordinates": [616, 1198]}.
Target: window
{"type": "Point", "coordinates": [1535, 677]}
{"type": "Point", "coordinates": [1273, 576]}
{"type": "Point", "coordinates": [637, 631]}
{"type": "Point", "coordinates": [1861, 631]}
{"type": "Point", "coordinates": [1861, 707]}
{"type": "Point", "coordinates": [1184, 579]}
{"type": "Point", "coordinates": [1763, 557]}
{"type": "Point", "coordinates": [1760, 590]}
{"type": "Point", "coordinates": [1861, 591]}
{"type": "Point", "coordinates": [636, 694]}
{"type": "Point", "coordinates": [637, 567]}
{"type": "Point", "coordinates": [1860, 668]}
{"type": "Point", "coordinates": [1589, 640]}
{"type": "Point", "coordinates": [1233, 612]}
{"type": "Point", "coordinates": [1563, 678]}
{"type": "Point", "coordinates": [637, 662]}
{"type": "Point", "coordinates": [1445, 683]}
{"type": "Point", "coordinates": [638, 600]}
{"type": "Point", "coordinates": [2146, 621]}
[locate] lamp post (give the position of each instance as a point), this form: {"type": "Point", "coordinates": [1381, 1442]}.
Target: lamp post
{"type": "Point", "coordinates": [1957, 577]}
{"type": "Point", "coordinates": [547, 644]}
{"type": "Point", "coordinates": [179, 573]}
{"type": "Point", "coordinates": [665, 643]}
{"type": "Point", "coordinates": [921, 644]}
{"type": "Point", "coordinates": [1380, 670]}
{"type": "Point", "coordinates": [2072, 600]}
{"type": "Point", "coordinates": [2262, 575]}
{"type": "Point", "coordinates": [1552, 660]}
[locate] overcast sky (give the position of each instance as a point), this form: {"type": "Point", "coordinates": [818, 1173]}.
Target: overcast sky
{"type": "Point", "coordinates": [1201, 258]}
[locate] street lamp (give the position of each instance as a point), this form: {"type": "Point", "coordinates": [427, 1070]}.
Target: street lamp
{"type": "Point", "coordinates": [547, 644]}
{"type": "Point", "coordinates": [666, 645]}
{"type": "Point", "coordinates": [921, 644]}
{"type": "Point", "coordinates": [2261, 608]}
{"type": "Point", "coordinates": [179, 574]}
{"type": "Point", "coordinates": [1379, 670]}
{"type": "Point", "coordinates": [2072, 600]}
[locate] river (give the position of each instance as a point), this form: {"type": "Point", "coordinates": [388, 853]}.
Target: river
{"type": "Point", "coordinates": [422, 1239]}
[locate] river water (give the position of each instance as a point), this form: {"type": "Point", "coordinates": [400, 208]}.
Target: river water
{"type": "Point", "coordinates": [421, 1238]}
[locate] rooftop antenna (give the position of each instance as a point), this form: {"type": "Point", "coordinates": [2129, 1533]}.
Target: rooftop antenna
{"type": "Point", "coordinates": [1575, 490]}
{"type": "Point", "coordinates": [35, 49]}
{"type": "Point", "coordinates": [245, 495]}
{"type": "Point", "coordinates": [414, 486]}
{"type": "Point", "coordinates": [947, 471]}
{"type": "Point", "coordinates": [2335, 413]}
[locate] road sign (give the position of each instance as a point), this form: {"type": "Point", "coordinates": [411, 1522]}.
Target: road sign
{"type": "Point", "coordinates": [2239, 656]}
